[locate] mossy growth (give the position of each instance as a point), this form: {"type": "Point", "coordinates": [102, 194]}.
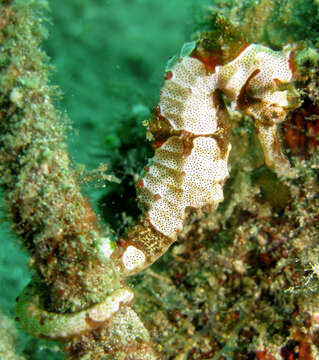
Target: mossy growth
{"type": "Point", "coordinates": [267, 21]}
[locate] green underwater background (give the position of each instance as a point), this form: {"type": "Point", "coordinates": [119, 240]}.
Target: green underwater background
{"type": "Point", "coordinates": [209, 297]}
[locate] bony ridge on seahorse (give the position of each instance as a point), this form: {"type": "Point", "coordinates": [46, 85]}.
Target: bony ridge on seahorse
{"type": "Point", "coordinates": [192, 141]}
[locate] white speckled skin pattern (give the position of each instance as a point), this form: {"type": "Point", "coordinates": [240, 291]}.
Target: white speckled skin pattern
{"type": "Point", "coordinates": [175, 182]}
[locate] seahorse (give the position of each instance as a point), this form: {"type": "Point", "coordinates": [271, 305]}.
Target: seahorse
{"type": "Point", "coordinates": [192, 141]}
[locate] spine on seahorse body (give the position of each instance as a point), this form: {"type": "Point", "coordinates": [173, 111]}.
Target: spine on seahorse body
{"type": "Point", "coordinates": [191, 132]}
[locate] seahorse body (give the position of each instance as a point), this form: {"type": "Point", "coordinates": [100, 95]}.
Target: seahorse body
{"type": "Point", "coordinates": [191, 131]}
{"type": "Point", "coordinates": [188, 170]}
